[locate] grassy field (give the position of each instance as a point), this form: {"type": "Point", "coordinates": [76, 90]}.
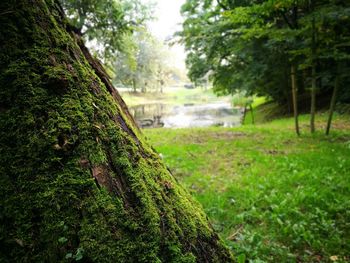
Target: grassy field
{"type": "Point", "coordinates": [272, 196]}
{"type": "Point", "coordinates": [173, 96]}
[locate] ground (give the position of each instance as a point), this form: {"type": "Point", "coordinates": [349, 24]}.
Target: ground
{"type": "Point", "coordinates": [272, 196]}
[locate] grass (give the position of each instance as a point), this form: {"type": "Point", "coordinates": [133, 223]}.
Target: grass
{"type": "Point", "coordinates": [272, 196]}
{"type": "Point", "coordinates": [264, 111]}
{"type": "Point", "coordinates": [174, 96]}
{"type": "Point", "coordinates": [259, 101]}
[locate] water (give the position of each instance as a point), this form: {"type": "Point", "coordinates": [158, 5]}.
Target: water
{"type": "Point", "coordinates": [188, 115]}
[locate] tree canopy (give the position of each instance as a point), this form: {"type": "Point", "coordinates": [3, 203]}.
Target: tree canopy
{"type": "Point", "coordinates": [250, 45]}
{"type": "Point", "coordinates": [107, 24]}
{"type": "Point", "coordinates": [148, 67]}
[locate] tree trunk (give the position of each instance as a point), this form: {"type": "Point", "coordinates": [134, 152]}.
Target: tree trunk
{"type": "Point", "coordinates": [251, 113]}
{"type": "Point", "coordinates": [313, 77]}
{"type": "Point", "coordinates": [134, 85]}
{"type": "Point", "coordinates": [244, 114]}
{"type": "Point", "coordinates": [313, 99]}
{"type": "Point", "coordinates": [78, 180]}
{"type": "Point", "coordinates": [295, 98]}
{"type": "Point", "coordinates": [333, 101]}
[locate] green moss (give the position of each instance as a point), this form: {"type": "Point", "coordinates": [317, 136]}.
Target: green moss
{"type": "Point", "coordinates": [59, 124]}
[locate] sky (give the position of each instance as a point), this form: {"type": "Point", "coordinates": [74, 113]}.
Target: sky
{"type": "Point", "coordinates": [167, 21]}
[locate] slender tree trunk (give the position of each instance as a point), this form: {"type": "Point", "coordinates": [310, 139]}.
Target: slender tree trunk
{"type": "Point", "coordinates": [295, 98]}
{"type": "Point", "coordinates": [313, 100]}
{"type": "Point", "coordinates": [134, 85]}
{"type": "Point", "coordinates": [244, 113]}
{"type": "Point", "coordinates": [78, 181]}
{"type": "Point", "coordinates": [313, 77]}
{"type": "Point", "coordinates": [333, 102]}
{"type": "Point", "coordinates": [251, 113]}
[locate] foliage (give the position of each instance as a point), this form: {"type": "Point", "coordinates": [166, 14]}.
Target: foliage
{"type": "Point", "coordinates": [272, 197]}
{"type": "Point", "coordinates": [115, 30]}
{"type": "Point", "coordinates": [240, 99]}
{"type": "Point", "coordinates": [250, 45]}
{"type": "Point", "coordinates": [107, 24]}
{"type": "Point", "coordinates": [147, 67]}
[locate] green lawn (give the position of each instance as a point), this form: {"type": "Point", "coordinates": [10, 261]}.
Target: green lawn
{"type": "Point", "coordinates": [273, 197]}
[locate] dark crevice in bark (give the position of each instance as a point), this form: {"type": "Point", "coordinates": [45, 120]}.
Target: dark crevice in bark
{"type": "Point", "coordinates": [124, 126]}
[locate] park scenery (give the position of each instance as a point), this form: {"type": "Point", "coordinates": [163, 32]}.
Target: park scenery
{"type": "Point", "coordinates": [175, 131]}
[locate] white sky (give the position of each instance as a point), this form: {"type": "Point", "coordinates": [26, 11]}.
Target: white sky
{"type": "Point", "coordinates": [167, 21]}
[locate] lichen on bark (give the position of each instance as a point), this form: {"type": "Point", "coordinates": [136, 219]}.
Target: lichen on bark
{"type": "Point", "coordinates": [77, 179]}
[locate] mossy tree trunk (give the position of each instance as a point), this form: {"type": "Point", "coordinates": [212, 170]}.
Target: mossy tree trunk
{"type": "Point", "coordinates": [78, 181]}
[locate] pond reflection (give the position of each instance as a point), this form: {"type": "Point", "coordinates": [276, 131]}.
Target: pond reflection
{"type": "Point", "coordinates": [169, 116]}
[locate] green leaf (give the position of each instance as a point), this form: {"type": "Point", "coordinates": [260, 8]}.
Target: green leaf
{"type": "Point", "coordinates": [241, 258]}
{"type": "Point", "coordinates": [80, 254]}
{"type": "Point", "coordinates": [62, 240]}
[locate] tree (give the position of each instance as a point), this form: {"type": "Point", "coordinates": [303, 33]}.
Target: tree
{"type": "Point", "coordinates": [78, 181]}
{"type": "Point", "coordinates": [146, 67]}
{"type": "Point", "coordinates": [295, 98]}
{"type": "Point", "coordinates": [230, 40]}
{"type": "Point", "coordinates": [107, 24]}
{"type": "Point", "coordinates": [255, 46]}
{"type": "Point", "coordinates": [313, 76]}
{"type": "Point", "coordinates": [334, 23]}
{"type": "Point", "coordinates": [246, 44]}
{"type": "Point", "coordinates": [332, 104]}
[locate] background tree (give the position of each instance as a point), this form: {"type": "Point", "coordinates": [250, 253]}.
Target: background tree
{"type": "Point", "coordinates": [147, 68]}
{"type": "Point", "coordinates": [252, 46]}
{"type": "Point", "coordinates": [107, 24]}
{"type": "Point", "coordinates": [78, 181]}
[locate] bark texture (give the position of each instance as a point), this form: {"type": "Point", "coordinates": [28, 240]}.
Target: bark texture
{"type": "Point", "coordinates": [78, 181]}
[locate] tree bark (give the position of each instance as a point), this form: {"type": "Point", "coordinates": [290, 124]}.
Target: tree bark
{"type": "Point", "coordinates": [295, 98]}
{"type": "Point", "coordinates": [78, 181]}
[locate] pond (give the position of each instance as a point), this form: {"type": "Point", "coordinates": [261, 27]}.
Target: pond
{"type": "Point", "coordinates": [188, 115]}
